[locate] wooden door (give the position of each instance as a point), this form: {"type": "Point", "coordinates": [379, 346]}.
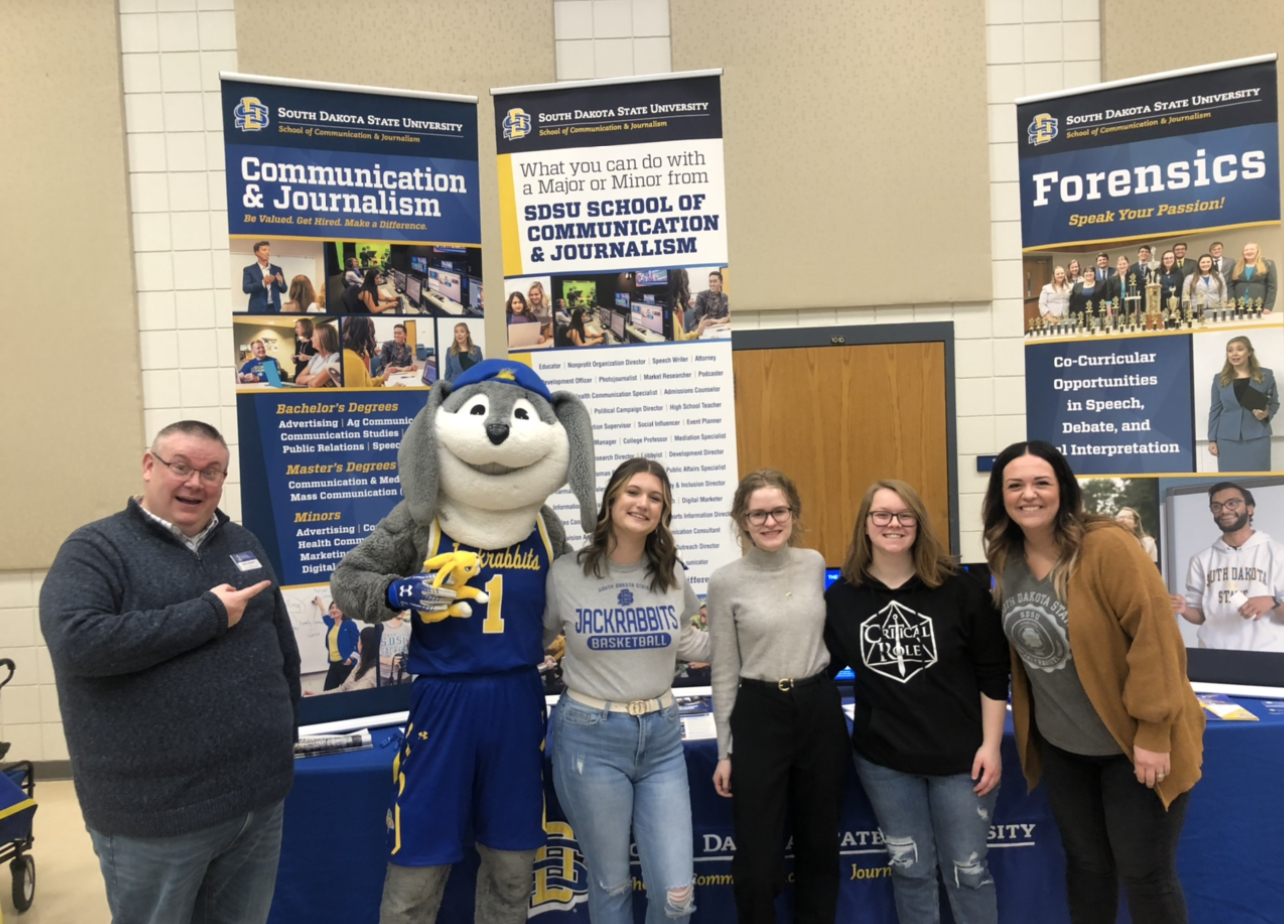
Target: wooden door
{"type": "Point", "coordinates": [837, 418]}
{"type": "Point", "coordinates": [1036, 272]}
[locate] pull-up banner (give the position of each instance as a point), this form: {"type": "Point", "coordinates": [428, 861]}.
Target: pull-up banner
{"type": "Point", "coordinates": [612, 211]}
{"type": "Point", "coordinates": [355, 242]}
{"type": "Point", "coordinates": [1194, 151]}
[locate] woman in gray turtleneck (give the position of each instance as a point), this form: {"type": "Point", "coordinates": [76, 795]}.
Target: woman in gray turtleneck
{"type": "Point", "coordinates": [779, 716]}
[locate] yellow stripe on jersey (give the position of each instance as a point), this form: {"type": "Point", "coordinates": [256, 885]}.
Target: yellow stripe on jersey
{"type": "Point", "coordinates": [543, 534]}
{"type": "Point", "coordinates": [396, 817]}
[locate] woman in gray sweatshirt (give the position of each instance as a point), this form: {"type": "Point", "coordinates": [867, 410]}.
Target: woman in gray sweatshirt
{"type": "Point", "coordinates": [776, 707]}
{"type": "Point", "coordinates": [625, 607]}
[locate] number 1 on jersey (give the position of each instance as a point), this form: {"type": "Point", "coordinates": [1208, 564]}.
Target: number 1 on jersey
{"type": "Point", "coordinates": [494, 623]}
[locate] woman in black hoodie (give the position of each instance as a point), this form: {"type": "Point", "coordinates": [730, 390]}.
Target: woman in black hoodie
{"type": "Point", "coordinates": [931, 665]}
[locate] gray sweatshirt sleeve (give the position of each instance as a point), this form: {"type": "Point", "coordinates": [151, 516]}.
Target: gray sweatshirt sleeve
{"type": "Point", "coordinates": [725, 656]}
{"type": "Point", "coordinates": [693, 643]}
{"type": "Point", "coordinates": [552, 613]}
{"type": "Point", "coordinates": [87, 636]}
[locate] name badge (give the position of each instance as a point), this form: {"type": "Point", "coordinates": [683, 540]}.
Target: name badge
{"type": "Point", "coordinates": [246, 561]}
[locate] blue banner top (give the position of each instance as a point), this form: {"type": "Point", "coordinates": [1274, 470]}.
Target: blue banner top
{"type": "Point", "coordinates": [348, 120]}
{"type": "Point", "coordinates": [1200, 102]}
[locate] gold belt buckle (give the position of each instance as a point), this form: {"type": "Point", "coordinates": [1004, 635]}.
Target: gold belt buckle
{"type": "Point", "coordinates": [785, 685]}
{"type": "Point", "coordinates": [638, 707]}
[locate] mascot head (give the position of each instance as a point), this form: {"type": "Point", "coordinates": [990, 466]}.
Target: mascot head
{"type": "Point", "coordinates": [498, 440]}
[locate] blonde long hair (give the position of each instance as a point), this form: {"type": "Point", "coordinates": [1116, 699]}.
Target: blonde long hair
{"type": "Point", "coordinates": [1137, 530]}
{"type": "Point", "coordinates": [1259, 264]}
{"type": "Point", "coordinates": [1254, 367]}
{"type": "Point", "coordinates": [931, 562]}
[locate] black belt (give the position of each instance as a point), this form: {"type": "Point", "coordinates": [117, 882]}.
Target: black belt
{"type": "Point", "coordinates": [784, 685]}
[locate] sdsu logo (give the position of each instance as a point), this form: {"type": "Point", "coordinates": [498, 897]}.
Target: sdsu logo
{"type": "Point", "coordinates": [517, 124]}
{"type": "Point", "coordinates": [251, 115]}
{"type": "Point", "coordinates": [897, 642]}
{"type": "Point", "coordinates": [561, 879]}
{"type": "Point", "coordinates": [1042, 130]}
{"type": "Point", "coordinates": [625, 598]}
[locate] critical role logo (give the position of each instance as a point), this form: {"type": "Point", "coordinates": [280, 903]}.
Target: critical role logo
{"type": "Point", "coordinates": [251, 115]}
{"type": "Point", "coordinates": [625, 597]}
{"type": "Point", "coordinates": [517, 124]}
{"type": "Point", "coordinates": [1042, 129]}
{"type": "Point", "coordinates": [897, 642]}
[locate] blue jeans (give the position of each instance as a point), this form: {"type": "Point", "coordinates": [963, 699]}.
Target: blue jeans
{"type": "Point", "coordinates": [220, 875]}
{"type": "Point", "coordinates": [612, 769]}
{"type": "Point", "coordinates": [926, 817]}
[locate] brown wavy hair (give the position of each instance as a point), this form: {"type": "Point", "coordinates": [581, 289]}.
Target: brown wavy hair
{"type": "Point", "coordinates": [1004, 539]}
{"type": "Point", "coordinates": [932, 563]}
{"type": "Point", "coordinates": [660, 549]}
{"type": "Point", "coordinates": [765, 478]}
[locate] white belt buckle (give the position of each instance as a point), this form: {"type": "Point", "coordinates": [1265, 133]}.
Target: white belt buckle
{"type": "Point", "coordinates": [639, 707]}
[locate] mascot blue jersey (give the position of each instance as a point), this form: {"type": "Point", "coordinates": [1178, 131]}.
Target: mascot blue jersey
{"type": "Point", "coordinates": [501, 635]}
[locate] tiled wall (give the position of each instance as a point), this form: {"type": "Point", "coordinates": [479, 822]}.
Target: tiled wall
{"type": "Point", "coordinates": [1032, 46]}
{"type": "Point", "coordinates": [171, 53]}
{"type": "Point", "coordinates": [611, 38]}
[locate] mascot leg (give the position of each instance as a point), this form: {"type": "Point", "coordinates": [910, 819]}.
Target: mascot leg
{"type": "Point", "coordinates": [504, 885]}
{"type": "Point", "coordinates": [412, 894]}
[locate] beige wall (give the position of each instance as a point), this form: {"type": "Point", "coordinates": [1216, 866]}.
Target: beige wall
{"type": "Point", "coordinates": [856, 144]}
{"type": "Point", "coordinates": [71, 434]}
{"type": "Point", "coordinates": [1253, 27]}
{"type": "Point", "coordinates": [452, 46]}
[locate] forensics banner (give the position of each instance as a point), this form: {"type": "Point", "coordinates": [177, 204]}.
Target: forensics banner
{"type": "Point", "coordinates": [1174, 154]}
{"type": "Point", "coordinates": [616, 279]}
{"type": "Point", "coordinates": [355, 241]}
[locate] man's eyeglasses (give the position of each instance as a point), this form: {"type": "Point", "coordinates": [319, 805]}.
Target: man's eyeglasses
{"type": "Point", "coordinates": [759, 517]}
{"type": "Point", "coordinates": [883, 518]}
{"type": "Point", "coordinates": [184, 471]}
{"type": "Point", "coordinates": [1231, 505]}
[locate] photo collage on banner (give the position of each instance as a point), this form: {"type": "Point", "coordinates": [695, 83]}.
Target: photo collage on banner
{"type": "Point", "coordinates": [616, 284]}
{"type": "Point", "coordinates": [1150, 221]}
{"type": "Point", "coordinates": [355, 240]}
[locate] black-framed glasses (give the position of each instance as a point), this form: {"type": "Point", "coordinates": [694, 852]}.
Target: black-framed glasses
{"type": "Point", "coordinates": [184, 471]}
{"type": "Point", "coordinates": [883, 518]}
{"type": "Point", "coordinates": [759, 517]}
{"type": "Point", "coordinates": [1234, 504]}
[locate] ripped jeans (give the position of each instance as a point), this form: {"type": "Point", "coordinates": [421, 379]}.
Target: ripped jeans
{"type": "Point", "coordinates": [613, 772]}
{"type": "Point", "coordinates": [931, 820]}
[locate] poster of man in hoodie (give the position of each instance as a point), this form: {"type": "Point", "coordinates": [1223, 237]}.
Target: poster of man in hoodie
{"type": "Point", "coordinates": [1234, 588]}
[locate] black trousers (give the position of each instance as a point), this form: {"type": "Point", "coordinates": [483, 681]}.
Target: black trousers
{"type": "Point", "coordinates": [1115, 828]}
{"type": "Point", "coordinates": [337, 673]}
{"type": "Point", "coordinates": [790, 755]}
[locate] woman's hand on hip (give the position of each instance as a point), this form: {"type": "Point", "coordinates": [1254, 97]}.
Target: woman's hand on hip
{"type": "Point", "coordinates": [722, 778]}
{"type": "Point", "coordinates": [1151, 766]}
{"type": "Point", "coordinates": [987, 768]}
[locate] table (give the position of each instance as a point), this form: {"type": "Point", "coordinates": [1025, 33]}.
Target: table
{"type": "Point", "coordinates": [334, 854]}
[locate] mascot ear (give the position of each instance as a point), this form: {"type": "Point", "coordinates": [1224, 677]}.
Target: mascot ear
{"type": "Point", "coordinates": [581, 473]}
{"type": "Point", "coordinates": [417, 458]}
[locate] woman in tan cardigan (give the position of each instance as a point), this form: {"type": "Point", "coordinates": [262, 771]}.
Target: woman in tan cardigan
{"type": "Point", "coordinates": [1100, 699]}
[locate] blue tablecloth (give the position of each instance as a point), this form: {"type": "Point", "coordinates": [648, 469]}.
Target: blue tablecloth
{"type": "Point", "coordinates": [334, 851]}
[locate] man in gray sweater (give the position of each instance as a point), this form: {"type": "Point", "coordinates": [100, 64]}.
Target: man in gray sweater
{"type": "Point", "coordinates": [178, 680]}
